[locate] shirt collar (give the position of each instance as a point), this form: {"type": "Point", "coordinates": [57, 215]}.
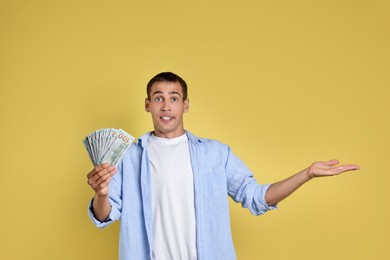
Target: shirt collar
{"type": "Point", "coordinates": [143, 139]}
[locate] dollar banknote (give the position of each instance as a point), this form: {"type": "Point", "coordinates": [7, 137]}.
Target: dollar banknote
{"type": "Point", "coordinates": [107, 145]}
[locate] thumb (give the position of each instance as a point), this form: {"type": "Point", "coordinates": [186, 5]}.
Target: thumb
{"type": "Point", "coordinates": [332, 162]}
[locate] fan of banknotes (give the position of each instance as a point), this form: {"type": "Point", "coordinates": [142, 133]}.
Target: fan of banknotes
{"type": "Point", "coordinates": [107, 145]}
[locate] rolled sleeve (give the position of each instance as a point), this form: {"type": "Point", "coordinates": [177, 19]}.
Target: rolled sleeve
{"type": "Point", "coordinates": [244, 188]}
{"type": "Point", "coordinates": [113, 216]}
{"type": "Point", "coordinates": [261, 203]}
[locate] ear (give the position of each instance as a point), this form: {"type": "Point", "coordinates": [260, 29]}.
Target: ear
{"type": "Point", "coordinates": [186, 105]}
{"type": "Point", "coordinates": [147, 105]}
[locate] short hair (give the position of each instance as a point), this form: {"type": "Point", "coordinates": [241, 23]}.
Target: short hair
{"type": "Point", "coordinates": [167, 77]}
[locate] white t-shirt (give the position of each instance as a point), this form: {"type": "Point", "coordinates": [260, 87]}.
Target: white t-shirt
{"type": "Point", "coordinates": [174, 232]}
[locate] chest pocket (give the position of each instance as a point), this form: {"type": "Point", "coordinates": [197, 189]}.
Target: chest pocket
{"type": "Point", "coordinates": [214, 182]}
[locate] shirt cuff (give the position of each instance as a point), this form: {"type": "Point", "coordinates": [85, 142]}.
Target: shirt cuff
{"type": "Point", "coordinates": [97, 222]}
{"type": "Point", "coordinates": [264, 204]}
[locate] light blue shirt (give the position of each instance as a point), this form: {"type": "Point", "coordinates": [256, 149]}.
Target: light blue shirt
{"type": "Point", "coordinates": [217, 173]}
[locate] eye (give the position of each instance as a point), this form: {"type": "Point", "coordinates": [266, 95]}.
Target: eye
{"type": "Point", "coordinates": [158, 99]}
{"type": "Point", "coordinates": [175, 99]}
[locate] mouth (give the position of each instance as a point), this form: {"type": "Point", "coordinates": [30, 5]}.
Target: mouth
{"type": "Point", "coordinates": [167, 118]}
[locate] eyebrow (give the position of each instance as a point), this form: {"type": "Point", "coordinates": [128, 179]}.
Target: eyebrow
{"type": "Point", "coordinates": [170, 93]}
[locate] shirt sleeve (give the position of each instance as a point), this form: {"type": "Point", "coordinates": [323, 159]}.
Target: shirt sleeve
{"type": "Point", "coordinates": [97, 222]}
{"type": "Point", "coordinates": [243, 187]}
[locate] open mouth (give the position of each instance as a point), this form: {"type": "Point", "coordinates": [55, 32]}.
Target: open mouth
{"type": "Point", "coordinates": [166, 118]}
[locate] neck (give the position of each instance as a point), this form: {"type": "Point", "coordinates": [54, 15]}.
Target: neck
{"type": "Point", "coordinates": [169, 135]}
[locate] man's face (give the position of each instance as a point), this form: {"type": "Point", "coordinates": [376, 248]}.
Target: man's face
{"type": "Point", "coordinates": [166, 106]}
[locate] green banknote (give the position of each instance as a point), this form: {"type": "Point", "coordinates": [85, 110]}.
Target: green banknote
{"type": "Point", "coordinates": [107, 145]}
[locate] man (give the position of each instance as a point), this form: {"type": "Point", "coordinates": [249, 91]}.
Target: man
{"type": "Point", "coordinates": [170, 189]}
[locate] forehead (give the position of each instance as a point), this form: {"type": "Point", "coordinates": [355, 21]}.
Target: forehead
{"type": "Point", "coordinates": [166, 87]}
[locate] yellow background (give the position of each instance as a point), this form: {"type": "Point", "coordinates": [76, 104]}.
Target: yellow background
{"type": "Point", "coordinates": [284, 83]}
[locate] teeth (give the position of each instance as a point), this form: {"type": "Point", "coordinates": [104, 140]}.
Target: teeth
{"type": "Point", "coordinates": [166, 117]}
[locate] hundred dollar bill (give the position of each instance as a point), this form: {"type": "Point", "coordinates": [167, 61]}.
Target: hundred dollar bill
{"type": "Point", "coordinates": [107, 145]}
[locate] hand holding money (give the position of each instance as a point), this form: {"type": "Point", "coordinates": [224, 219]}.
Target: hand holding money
{"type": "Point", "coordinates": [106, 148]}
{"type": "Point", "coordinates": [99, 178]}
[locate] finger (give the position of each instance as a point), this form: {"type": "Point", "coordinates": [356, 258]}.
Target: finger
{"type": "Point", "coordinates": [97, 169]}
{"type": "Point", "coordinates": [99, 187]}
{"type": "Point", "coordinates": [349, 167]}
{"type": "Point", "coordinates": [94, 170]}
{"type": "Point", "coordinates": [332, 162]}
{"type": "Point", "coordinates": [106, 171]}
{"type": "Point", "coordinates": [95, 175]}
{"type": "Point", "coordinates": [340, 169]}
{"type": "Point", "coordinates": [102, 179]}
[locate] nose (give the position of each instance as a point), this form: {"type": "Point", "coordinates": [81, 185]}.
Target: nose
{"type": "Point", "coordinates": [166, 107]}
